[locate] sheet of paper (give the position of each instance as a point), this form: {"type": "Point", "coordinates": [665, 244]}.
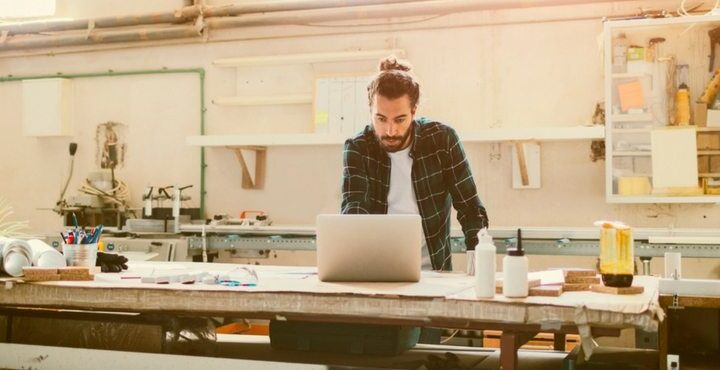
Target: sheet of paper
{"type": "Point", "coordinates": [674, 157]}
{"type": "Point", "coordinates": [631, 95]}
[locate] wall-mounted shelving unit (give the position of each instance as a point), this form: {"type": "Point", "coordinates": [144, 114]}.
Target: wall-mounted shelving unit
{"type": "Point", "coordinates": [289, 59]}
{"type": "Point", "coordinates": [253, 173]}
{"type": "Point", "coordinates": [630, 130]}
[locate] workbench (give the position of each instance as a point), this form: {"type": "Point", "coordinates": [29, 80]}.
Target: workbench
{"type": "Point", "coordinates": [294, 293]}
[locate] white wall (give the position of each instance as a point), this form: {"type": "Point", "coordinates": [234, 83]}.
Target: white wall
{"type": "Point", "coordinates": [517, 75]}
{"type": "Point", "coordinates": [111, 8]}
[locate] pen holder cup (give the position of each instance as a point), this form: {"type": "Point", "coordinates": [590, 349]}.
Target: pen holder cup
{"type": "Point", "coordinates": [80, 254]}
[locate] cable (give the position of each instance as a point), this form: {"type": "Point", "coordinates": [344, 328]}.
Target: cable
{"type": "Point", "coordinates": [118, 195]}
{"type": "Point", "coordinates": [450, 337]}
{"type": "Point", "coordinates": [684, 12]}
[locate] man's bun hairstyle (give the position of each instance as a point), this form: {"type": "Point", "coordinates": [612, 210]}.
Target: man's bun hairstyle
{"type": "Point", "coordinates": [394, 80]}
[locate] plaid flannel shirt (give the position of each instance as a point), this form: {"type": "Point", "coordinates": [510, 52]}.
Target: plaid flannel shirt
{"type": "Point", "coordinates": [441, 176]}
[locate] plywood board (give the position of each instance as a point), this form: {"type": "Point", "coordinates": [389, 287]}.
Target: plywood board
{"type": "Point", "coordinates": [546, 291]}
{"type": "Point", "coordinates": [674, 157]}
{"type": "Point", "coordinates": [617, 291]}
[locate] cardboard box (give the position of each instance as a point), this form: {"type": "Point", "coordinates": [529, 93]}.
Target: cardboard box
{"type": "Point", "coordinates": [700, 112]}
{"type": "Point", "coordinates": [714, 164]}
{"type": "Point", "coordinates": [636, 53]}
{"type": "Point", "coordinates": [713, 118]}
{"type": "Point", "coordinates": [703, 163]}
{"type": "Point", "coordinates": [633, 185]}
{"type": "Point", "coordinates": [708, 140]}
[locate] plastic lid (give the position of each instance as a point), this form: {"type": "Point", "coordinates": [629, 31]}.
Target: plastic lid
{"type": "Point", "coordinates": [518, 250]}
{"type": "Point", "coordinates": [484, 236]}
{"type": "Point", "coordinates": [515, 252]}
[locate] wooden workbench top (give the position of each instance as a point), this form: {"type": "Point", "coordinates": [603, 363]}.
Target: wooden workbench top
{"type": "Point", "coordinates": [291, 292]}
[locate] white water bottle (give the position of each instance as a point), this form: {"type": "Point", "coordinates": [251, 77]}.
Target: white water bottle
{"type": "Point", "coordinates": [515, 271]}
{"type": "Point", "coordinates": [485, 265]}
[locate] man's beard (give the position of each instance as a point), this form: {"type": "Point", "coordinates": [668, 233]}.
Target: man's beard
{"type": "Point", "coordinates": [392, 144]}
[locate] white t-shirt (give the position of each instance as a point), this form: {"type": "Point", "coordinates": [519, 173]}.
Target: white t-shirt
{"type": "Point", "coordinates": [401, 197]}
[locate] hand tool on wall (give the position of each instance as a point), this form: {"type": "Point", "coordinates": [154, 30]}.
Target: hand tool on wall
{"type": "Point", "coordinates": [61, 201]}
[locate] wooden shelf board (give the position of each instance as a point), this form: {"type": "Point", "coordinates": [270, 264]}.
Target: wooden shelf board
{"type": "Point", "coordinates": [264, 100]}
{"type": "Point", "coordinates": [708, 199]}
{"type": "Point", "coordinates": [480, 136]}
{"type": "Point", "coordinates": [641, 117]}
{"type": "Point", "coordinates": [340, 56]}
{"type": "Point", "coordinates": [632, 154]}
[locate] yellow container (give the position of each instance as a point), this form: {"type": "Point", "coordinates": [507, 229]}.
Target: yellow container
{"type": "Point", "coordinates": [617, 254]}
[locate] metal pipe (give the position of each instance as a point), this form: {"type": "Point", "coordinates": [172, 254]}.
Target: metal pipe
{"type": "Point", "coordinates": [201, 74]}
{"type": "Point", "coordinates": [415, 8]}
{"type": "Point", "coordinates": [31, 42]}
{"type": "Point", "coordinates": [182, 15]}
{"type": "Point", "coordinates": [265, 6]}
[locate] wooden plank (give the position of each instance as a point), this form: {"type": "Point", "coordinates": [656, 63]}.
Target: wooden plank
{"type": "Point", "coordinates": [509, 344]}
{"type": "Point", "coordinates": [285, 59]}
{"type": "Point", "coordinates": [575, 287]}
{"type": "Point", "coordinates": [582, 280]}
{"type": "Point", "coordinates": [559, 341]}
{"type": "Point", "coordinates": [690, 301]}
{"type": "Point", "coordinates": [546, 291]}
{"type": "Point", "coordinates": [520, 148]}
{"type": "Point", "coordinates": [491, 135]}
{"type": "Point", "coordinates": [531, 284]}
{"type": "Point", "coordinates": [249, 181]}
{"type": "Point", "coordinates": [264, 100]}
{"type": "Point", "coordinates": [569, 273]}
{"type": "Point", "coordinates": [598, 288]}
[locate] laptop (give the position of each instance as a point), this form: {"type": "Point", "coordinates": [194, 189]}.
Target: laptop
{"type": "Point", "coordinates": [369, 248]}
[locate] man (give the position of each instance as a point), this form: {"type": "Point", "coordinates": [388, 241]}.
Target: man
{"type": "Point", "coordinates": [403, 165]}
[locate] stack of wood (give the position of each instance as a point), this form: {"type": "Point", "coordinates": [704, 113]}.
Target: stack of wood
{"type": "Point", "coordinates": [535, 288]}
{"type": "Point", "coordinates": [578, 280]}
{"type": "Point", "coordinates": [70, 273]}
{"type": "Point", "coordinates": [586, 279]}
{"type": "Point", "coordinates": [574, 280]}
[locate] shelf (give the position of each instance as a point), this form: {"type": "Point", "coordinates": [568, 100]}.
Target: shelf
{"type": "Point", "coordinates": [707, 199]}
{"type": "Point", "coordinates": [631, 75]}
{"type": "Point", "coordinates": [638, 127]}
{"type": "Point", "coordinates": [661, 22]}
{"type": "Point", "coordinates": [531, 134]}
{"type": "Point", "coordinates": [641, 117]}
{"type": "Point", "coordinates": [266, 140]}
{"type": "Point", "coordinates": [643, 130]}
{"type": "Point", "coordinates": [631, 154]}
{"type": "Point", "coordinates": [480, 136]}
{"type": "Point", "coordinates": [341, 56]}
{"type": "Point", "coordinates": [648, 129]}
{"type": "Point", "coordinates": [264, 100]}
